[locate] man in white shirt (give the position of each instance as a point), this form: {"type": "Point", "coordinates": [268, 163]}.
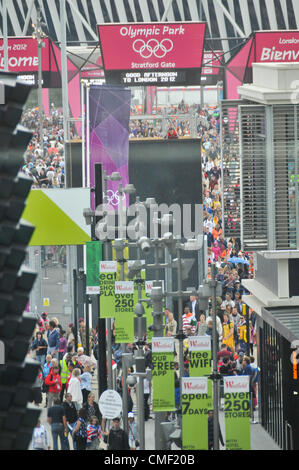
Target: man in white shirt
{"type": "Point", "coordinates": [228, 301]}
{"type": "Point", "coordinates": [209, 224]}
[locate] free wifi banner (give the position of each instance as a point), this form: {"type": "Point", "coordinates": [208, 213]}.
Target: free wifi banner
{"type": "Point", "coordinates": [200, 361]}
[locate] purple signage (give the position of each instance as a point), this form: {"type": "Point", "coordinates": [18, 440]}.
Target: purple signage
{"type": "Point", "coordinates": [109, 115]}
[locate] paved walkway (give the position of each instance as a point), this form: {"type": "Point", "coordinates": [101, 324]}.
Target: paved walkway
{"type": "Point", "coordinates": [260, 439]}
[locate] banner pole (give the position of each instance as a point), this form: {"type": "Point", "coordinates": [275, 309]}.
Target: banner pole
{"type": "Point", "coordinates": [83, 133]}
{"type": "Point", "coordinates": [214, 356]}
{"type": "Point", "coordinates": [5, 38]}
{"type": "Point", "coordinates": [64, 76]}
{"type": "Point", "coordinates": [87, 137]}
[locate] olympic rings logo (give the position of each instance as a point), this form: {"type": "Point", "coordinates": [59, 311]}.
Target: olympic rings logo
{"type": "Point", "coordinates": [113, 197]}
{"type": "Point", "coordinates": [152, 47]}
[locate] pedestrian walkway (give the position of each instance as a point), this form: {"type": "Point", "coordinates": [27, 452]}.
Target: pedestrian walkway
{"type": "Point", "coordinates": [260, 439]}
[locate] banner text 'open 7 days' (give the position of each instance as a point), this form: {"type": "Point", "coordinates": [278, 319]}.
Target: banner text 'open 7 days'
{"type": "Point", "coordinates": [195, 406]}
{"type": "Point", "coordinates": [163, 374]}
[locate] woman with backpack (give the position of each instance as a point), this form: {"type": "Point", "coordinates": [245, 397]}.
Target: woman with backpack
{"type": "Point", "coordinates": [80, 431]}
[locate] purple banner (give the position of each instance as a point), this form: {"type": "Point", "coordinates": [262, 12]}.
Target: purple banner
{"type": "Point", "coordinates": [109, 115]}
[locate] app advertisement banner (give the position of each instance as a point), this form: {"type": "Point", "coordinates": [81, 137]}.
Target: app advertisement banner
{"type": "Point", "coordinates": [163, 374]}
{"type": "Point", "coordinates": [108, 273]}
{"type": "Point", "coordinates": [237, 412]}
{"type": "Point", "coordinates": [195, 406]}
{"type": "Point", "coordinates": [93, 258]}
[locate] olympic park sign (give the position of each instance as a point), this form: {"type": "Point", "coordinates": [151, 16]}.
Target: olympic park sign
{"type": "Point", "coordinates": [152, 53]}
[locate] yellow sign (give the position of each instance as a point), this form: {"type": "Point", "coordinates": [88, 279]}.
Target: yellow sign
{"type": "Point", "coordinates": [46, 302]}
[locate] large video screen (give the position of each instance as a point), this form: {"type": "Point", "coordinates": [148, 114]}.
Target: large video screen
{"type": "Point", "coordinates": [170, 171]}
{"type": "Point", "coordinates": [152, 53]}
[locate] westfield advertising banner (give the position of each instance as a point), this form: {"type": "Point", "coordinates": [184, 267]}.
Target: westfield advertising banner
{"type": "Point", "coordinates": [108, 274]}
{"type": "Point", "coordinates": [156, 52]}
{"type": "Point", "coordinates": [163, 374]}
{"type": "Point", "coordinates": [124, 308]}
{"type": "Point", "coordinates": [237, 412]}
{"type": "Point", "coordinates": [195, 406]}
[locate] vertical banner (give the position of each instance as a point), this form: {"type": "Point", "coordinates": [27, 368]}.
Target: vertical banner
{"type": "Point", "coordinates": [108, 272]}
{"type": "Point", "coordinates": [163, 374]}
{"type": "Point", "coordinates": [109, 117]}
{"type": "Point", "coordinates": [93, 258]}
{"type": "Point", "coordinates": [124, 302]}
{"type": "Point", "coordinates": [124, 308]}
{"type": "Point", "coordinates": [200, 361]}
{"type": "Point", "coordinates": [200, 357]}
{"type": "Point", "coordinates": [195, 413]}
{"type": "Point", "coordinates": [237, 412]}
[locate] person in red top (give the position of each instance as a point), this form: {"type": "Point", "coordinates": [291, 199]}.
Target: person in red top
{"type": "Point", "coordinates": [53, 381]}
{"type": "Point", "coordinates": [172, 133]}
{"type": "Point", "coordinates": [224, 352]}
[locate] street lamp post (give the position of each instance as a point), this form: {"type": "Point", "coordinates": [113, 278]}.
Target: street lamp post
{"type": "Point", "coordinates": [113, 177]}
{"type": "Point", "coordinates": [129, 189]}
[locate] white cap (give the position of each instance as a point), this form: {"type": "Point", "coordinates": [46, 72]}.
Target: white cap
{"type": "Point", "coordinates": [130, 415]}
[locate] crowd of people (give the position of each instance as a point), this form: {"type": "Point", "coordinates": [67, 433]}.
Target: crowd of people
{"type": "Point", "coordinates": [177, 126]}
{"type": "Point", "coordinates": [64, 384]}
{"type": "Point", "coordinates": [236, 337]}
{"type": "Point", "coordinates": [45, 164]}
{"type": "Point", "coordinates": [65, 379]}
